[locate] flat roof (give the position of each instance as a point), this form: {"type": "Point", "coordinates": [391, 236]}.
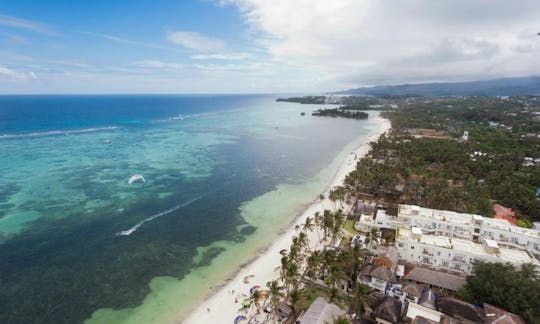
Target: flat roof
{"type": "Point", "coordinates": [414, 310]}
{"type": "Point", "coordinates": [464, 218]}
{"type": "Point", "coordinates": [492, 243]}
{"type": "Point", "coordinates": [441, 241]}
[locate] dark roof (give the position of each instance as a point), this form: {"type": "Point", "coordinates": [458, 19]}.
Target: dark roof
{"type": "Point", "coordinates": [445, 319]}
{"type": "Point", "coordinates": [423, 320]}
{"type": "Point", "coordinates": [436, 278]}
{"type": "Point", "coordinates": [460, 309]}
{"type": "Point", "coordinates": [412, 290]}
{"type": "Point", "coordinates": [497, 315]}
{"type": "Point", "coordinates": [381, 272]}
{"type": "Point", "coordinates": [389, 309]}
{"type": "Point", "coordinates": [367, 269]}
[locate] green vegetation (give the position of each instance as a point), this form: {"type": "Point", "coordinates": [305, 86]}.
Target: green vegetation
{"type": "Point", "coordinates": [517, 290]}
{"type": "Point", "coordinates": [340, 112]}
{"type": "Point", "coordinates": [305, 100]}
{"type": "Point", "coordinates": [451, 173]}
{"type": "Point", "coordinates": [349, 227]}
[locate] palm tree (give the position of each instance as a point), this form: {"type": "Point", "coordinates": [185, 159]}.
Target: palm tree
{"type": "Point", "coordinates": [308, 225]}
{"type": "Point", "coordinates": [290, 273]}
{"type": "Point", "coordinates": [294, 298]}
{"type": "Point", "coordinates": [313, 265]}
{"type": "Point", "coordinates": [276, 294]}
{"type": "Point", "coordinates": [374, 234]}
{"type": "Point", "coordinates": [360, 298]}
{"type": "Point", "coordinates": [339, 219]}
{"type": "Point", "coordinates": [335, 274]}
{"type": "Point", "coordinates": [318, 223]}
{"type": "Point", "coordinates": [328, 222]}
{"type": "Point", "coordinates": [353, 261]}
{"type": "Point", "coordinates": [321, 198]}
{"type": "Point", "coordinates": [303, 241]}
{"type": "Point", "coordinates": [256, 297]}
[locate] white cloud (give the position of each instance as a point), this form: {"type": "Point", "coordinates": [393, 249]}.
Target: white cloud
{"type": "Point", "coordinates": [14, 22]}
{"type": "Point", "coordinates": [361, 42]}
{"type": "Point", "coordinates": [196, 41]}
{"type": "Point", "coordinates": [224, 57]}
{"type": "Point", "coordinates": [122, 40]}
{"type": "Point", "coordinates": [12, 75]}
{"type": "Point", "coordinates": [153, 64]}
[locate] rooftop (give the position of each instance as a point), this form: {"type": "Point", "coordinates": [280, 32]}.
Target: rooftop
{"type": "Point", "coordinates": [501, 316]}
{"type": "Point", "coordinates": [436, 278]}
{"type": "Point", "coordinates": [464, 219]}
{"type": "Point", "coordinates": [415, 310]}
{"type": "Point", "coordinates": [321, 312]}
{"type": "Point", "coordinates": [469, 247]}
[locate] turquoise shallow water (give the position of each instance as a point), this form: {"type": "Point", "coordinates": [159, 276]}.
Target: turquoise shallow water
{"type": "Point", "coordinates": [64, 195]}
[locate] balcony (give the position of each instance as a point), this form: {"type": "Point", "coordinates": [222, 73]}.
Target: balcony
{"type": "Point", "coordinates": [459, 259]}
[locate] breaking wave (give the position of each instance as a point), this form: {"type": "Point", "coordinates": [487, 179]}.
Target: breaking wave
{"type": "Point", "coordinates": [56, 132]}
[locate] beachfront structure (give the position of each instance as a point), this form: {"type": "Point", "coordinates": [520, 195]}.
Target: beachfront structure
{"type": "Point", "coordinates": [321, 312]}
{"type": "Point", "coordinates": [469, 227]}
{"type": "Point", "coordinates": [437, 280]}
{"type": "Point", "coordinates": [453, 254]}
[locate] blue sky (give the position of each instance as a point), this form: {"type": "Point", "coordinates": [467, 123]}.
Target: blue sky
{"type": "Point", "coordinates": [246, 46]}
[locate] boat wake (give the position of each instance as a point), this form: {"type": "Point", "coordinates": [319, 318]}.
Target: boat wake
{"type": "Point", "coordinates": [57, 132]}
{"type": "Point", "coordinates": [163, 213]}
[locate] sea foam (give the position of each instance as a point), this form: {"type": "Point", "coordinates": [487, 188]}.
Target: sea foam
{"type": "Point", "coordinates": [165, 212]}
{"type": "Point", "coordinates": [57, 132]}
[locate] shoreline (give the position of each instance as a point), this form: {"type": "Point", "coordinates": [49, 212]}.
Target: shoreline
{"type": "Point", "coordinates": [220, 306]}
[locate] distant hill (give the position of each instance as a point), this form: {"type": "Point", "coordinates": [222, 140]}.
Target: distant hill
{"type": "Point", "coordinates": [495, 87]}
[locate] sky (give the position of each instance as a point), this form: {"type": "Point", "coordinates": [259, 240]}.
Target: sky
{"type": "Point", "coordinates": [260, 46]}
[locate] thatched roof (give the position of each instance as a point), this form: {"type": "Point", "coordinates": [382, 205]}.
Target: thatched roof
{"type": "Point", "coordinates": [321, 312]}
{"type": "Point", "coordinates": [436, 278]}
{"type": "Point", "coordinates": [366, 271]}
{"type": "Point", "coordinates": [495, 315]}
{"type": "Point", "coordinates": [412, 290]}
{"type": "Point", "coordinates": [389, 309]}
{"type": "Point", "coordinates": [423, 320]}
{"type": "Point", "coordinates": [460, 309]}
{"type": "Point", "coordinates": [381, 272]}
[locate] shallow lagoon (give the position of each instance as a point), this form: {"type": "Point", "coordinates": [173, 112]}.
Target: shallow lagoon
{"type": "Point", "coordinates": [239, 167]}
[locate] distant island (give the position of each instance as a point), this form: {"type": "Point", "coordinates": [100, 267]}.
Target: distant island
{"type": "Point", "coordinates": [340, 112]}
{"type": "Point", "coordinates": [316, 100]}
{"type": "Point", "coordinates": [522, 86]}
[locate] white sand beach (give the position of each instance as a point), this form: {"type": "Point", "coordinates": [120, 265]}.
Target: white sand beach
{"type": "Point", "coordinates": [224, 305]}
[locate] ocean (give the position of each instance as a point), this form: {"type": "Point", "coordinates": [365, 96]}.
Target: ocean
{"type": "Point", "coordinates": [223, 175]}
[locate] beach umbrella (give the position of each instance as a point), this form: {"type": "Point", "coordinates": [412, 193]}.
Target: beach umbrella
{"type": "Point", "coordinates": [252, 289]}
{"type": "Point", "coordinates": [246, 302]}
{"type": "Point", "coordinates": [239, 318]}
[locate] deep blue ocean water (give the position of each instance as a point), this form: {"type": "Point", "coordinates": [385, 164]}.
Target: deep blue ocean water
{"type": "Point", "coordinates": [64, 196]}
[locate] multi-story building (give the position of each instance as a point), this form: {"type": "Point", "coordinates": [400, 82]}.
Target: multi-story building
{"type": "Point", "coordinates": [454, 254]}
{"type": "Point", "coordinates": [449, 224]}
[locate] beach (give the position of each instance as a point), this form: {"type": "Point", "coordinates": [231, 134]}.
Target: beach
{"type": "Point", "coordinates": [223, 306]}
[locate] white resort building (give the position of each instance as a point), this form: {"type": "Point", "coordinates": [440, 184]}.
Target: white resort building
{"type": "Point", "coordinates": [451, 241]}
